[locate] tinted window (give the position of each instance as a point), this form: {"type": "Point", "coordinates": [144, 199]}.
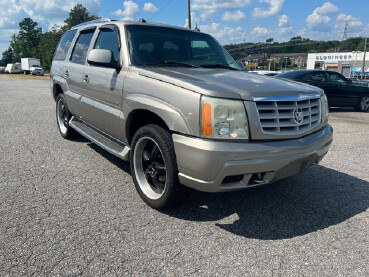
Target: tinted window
{"type": "Point", "coordinates": [316, 77]}
{"type": "Point", "coordinates": [81, 47]}
{"type": "Point", "coordinates": [107, 40]}
{"type": "Point", "coordinates": [155, 45]}
{"type": "Point", "coordinates": [293, 75]}
{"type": "Point", "coordinates": [64, 45]}
{"type": "Point", "coordinates": [335, 78]}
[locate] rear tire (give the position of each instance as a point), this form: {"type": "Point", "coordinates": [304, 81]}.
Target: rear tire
{"type": "Point", "coordinates": [363, 104]}
{"type": "Point", "coordinates": [63, 116]}
{"type": "Point", "coordinates": [154, 167]}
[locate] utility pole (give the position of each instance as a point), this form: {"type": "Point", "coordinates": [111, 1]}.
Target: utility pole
{"type": "Point", "coordinates": [363, 68]}
{"type": "Point", "coordinates": [189, 14]}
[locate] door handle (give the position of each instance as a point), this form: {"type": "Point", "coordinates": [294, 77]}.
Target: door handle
{"type": "Point", "coordinates": [86, 78]}
{"type": "Point", "coordinates": [66, 73]}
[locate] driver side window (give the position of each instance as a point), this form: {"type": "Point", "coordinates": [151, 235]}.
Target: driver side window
{"type": "Point", "coordinates": [107, 40]}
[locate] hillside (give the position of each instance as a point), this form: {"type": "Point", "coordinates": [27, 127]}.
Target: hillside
{"type": "Point", "coordinates": [295, 45]}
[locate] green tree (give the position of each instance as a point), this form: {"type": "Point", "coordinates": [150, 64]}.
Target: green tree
{"type": "Point", "coordinates": [25, 43]}
{"type": "Point", "coordinates": [47, 45]}
{"type": "Point", "coordinates": [77, 15]}
{"type": "Point", "coordinates": [8, 56]}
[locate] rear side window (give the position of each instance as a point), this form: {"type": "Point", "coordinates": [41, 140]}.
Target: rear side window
{"type": "Point", "coordinates": [315, 77]}
{"type": "Point", "coordinates": [335, 78]}
{"type": "Point", "coordinates": [108, 40]}
{"type": "Point", "coordinates": [64, 45]}
{"type": "Point", "coordinates": [80, 49]}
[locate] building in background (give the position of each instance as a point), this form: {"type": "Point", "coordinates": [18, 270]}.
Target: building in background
{"type": "Point", "coordinates": [347, 63]}
{"type": "Point", "coordinates": [254, 61]}
{"type": "Point", "coordinates": [297, 59]}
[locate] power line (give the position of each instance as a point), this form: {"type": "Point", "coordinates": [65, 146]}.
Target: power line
{"type": "Point", "coordinates": [159, 11]}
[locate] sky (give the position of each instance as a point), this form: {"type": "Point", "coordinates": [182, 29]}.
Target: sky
{"type": "Point", "coordinates": [231, 21]}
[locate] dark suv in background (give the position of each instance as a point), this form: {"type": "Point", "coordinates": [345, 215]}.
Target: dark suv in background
{"type": "Point", "coordinates": [341, 92]}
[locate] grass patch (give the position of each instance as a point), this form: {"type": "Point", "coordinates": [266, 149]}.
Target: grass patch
{"type": "Point", "coordinates": [23, 77]}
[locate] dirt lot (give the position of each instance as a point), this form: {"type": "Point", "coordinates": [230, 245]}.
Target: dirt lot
{"type": "Point", "coordinates": [23, 77]}
{"type": "Point", "coordinates": [69, 208]}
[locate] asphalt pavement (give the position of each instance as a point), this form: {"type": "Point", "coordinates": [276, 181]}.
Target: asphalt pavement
{"type": "Point", "coordinates": [69, 208]}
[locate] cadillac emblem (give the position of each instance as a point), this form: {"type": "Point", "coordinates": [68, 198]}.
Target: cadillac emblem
{"type": "Point", "coordinates": [298, 116]}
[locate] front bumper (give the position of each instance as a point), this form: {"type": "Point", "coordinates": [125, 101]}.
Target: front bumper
{"type": "Point", "coordinates": [214, 166]}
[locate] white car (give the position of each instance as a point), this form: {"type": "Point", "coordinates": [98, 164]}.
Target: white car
{"type": "Point", "coordinates": [265, 72]}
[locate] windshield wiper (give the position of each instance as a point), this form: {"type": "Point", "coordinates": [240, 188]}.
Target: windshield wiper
{"type": "Point", "coordinates": [218, 65]}
{"type": "Point", "coordinates": [171, 63]}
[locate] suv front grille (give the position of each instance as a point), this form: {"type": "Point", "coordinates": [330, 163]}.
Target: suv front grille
{"type": "Point", "coordinates": [289, 117]}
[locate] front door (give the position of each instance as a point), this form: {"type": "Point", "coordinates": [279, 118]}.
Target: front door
{"type": "Point", "coordinates": [104, 86]}
{"type": "Point", "coordinates": [342, 94]}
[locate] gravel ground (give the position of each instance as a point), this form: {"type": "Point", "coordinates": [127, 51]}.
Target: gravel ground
{"type": "Point", "coordinates": [68, 208]}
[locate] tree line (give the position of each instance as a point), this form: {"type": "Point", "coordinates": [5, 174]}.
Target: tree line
{"type": "Point", "coordinates": [31, 42]}
{"type": "Point", "coordinates": [295, 45]}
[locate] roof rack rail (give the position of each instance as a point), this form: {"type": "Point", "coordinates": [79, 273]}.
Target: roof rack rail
{"type": "Point", "coordinates": [100, 20]}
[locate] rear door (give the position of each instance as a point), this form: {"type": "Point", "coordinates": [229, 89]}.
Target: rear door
{"type": "Point", "coordinates": [104, 85]}
{"type": "Point", "coordinates": [73, 70]}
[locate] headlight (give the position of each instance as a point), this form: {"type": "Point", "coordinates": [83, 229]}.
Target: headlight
{"type": "Point", "coordinates": [325, 110]}
{"type": "Point", "coordinates": [223, 118]}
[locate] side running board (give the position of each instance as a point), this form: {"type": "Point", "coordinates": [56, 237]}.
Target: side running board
{"type": "Point", "coordinates": [104, 141]}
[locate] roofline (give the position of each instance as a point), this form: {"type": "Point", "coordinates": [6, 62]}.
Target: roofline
{"type": "Point", "coordinates": [126, 22]}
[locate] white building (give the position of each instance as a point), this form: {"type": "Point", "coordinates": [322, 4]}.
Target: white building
{"type": "Point", "coordinates": [344, 63]}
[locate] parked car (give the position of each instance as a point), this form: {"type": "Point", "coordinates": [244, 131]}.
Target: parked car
{"type": "Point", "coordinates": [341, 92]}
{"type": "Point", "coordinates": [2, 69]}
{"type": "Point", "coordinates": [265, 72]}
{"type": "Point", "coordinates": [175, 104]}
{"type": "Point", "coordinates": [13, 68]}
{"type": "Point", "coordinates": [31, 66]}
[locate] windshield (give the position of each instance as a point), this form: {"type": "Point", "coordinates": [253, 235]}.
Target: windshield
{"type": "Point", "coordinates": [156, 46]}
{"type": "Point", "coordinates": [35, 65]}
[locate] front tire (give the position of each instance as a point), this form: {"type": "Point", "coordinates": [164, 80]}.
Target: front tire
{"type": "Point", "coordinates": [154, 167]}
{"type": "Point", "coordinates": [63, 116]}
{"type": "Point", "coordinates": [363, 104]}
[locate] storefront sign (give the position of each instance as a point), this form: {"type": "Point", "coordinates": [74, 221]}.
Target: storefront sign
{"type": "Point", "coordinates": [333, 57]}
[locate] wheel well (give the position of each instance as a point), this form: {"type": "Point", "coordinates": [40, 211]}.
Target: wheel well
{"type": "Point", "coordinates": [139, 118]}
{"type": "Point", "coordinates": [57, 90]}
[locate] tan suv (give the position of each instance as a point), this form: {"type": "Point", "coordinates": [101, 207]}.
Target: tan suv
{"type": "Point", "coordinates": [175, 104]}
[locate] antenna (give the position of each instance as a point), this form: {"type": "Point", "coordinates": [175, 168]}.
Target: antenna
{"type": "Point", "coordinates": [345, 31]}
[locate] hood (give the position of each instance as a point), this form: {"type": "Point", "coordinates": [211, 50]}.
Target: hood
{"type": "Point", "coordinates": [227, 83]}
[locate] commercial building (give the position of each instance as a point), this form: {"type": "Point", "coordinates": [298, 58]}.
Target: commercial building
{"type": "Point", "coordinates": [297, 59]}
{"type": "Point", "coordinates": [347, 63]}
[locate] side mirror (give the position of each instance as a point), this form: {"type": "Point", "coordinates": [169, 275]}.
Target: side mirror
{"type": "Point", "coordinates": [102, 57]}
{"type": "Point", "coordinates": [349, 81]}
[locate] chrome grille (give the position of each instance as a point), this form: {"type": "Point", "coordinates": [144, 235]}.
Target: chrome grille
{"type": "Point", "coordinates": [280, 117]}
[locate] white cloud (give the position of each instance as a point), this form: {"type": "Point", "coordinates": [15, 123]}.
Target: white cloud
{"type": "Point", "coordinates": [224, 34]}
{"type": "Point", "coordinates": [353, 22]}
{"type": "Point", "coordinates": [194, 20]}
{"type": "Point", "coordinates": [236, 16]}
{"type": "Point", "coordinates": [130, 10]}
{"type": "Point", "coordinates": [284, 21]}
{"type": "Point", "coordinates": [45, 12]}
{"type": "Point", "coordinates": [260, 32]}
{"type": "Point", "coordinates": [327, 8]}
{"type": "Point", "coordinates": [201, 5]}
{"type": "Point", "coordinates": [319, 19]}
{"type": "Point", "coordinates": [275, 8]}
{"type": "Point", "coordinates": [207, 8]}
{"type": "Point", "coordinates": [149, 7]}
